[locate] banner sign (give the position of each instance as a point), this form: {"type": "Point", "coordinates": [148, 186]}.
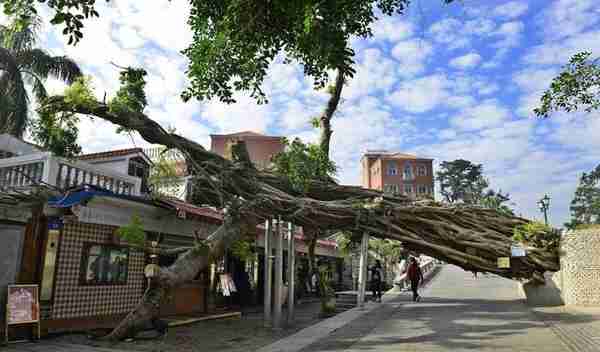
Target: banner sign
{"type": "Point", "coordinates": [22, 304]}
{"type": "Point", "coordinates": [504, 262]}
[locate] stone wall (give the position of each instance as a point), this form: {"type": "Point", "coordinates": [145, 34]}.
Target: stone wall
{"type": "Point", "coordinates": [579, 277]}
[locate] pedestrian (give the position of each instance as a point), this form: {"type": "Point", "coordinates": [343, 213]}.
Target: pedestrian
{"type": "Point", "coordinates": [416, 277]}
{"type": "Point", "coordinates": [401, 271]}
{"type": "Point", "coordinates": [376, 277]}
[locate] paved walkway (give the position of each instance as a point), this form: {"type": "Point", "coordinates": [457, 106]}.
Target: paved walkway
{"type": "Point", "coordinates": [461, 313]}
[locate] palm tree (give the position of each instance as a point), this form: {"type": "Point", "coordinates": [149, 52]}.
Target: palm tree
{"type": "Point", "coordinates": [23, 67]}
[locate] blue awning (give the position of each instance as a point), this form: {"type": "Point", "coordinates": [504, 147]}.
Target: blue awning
{"type": "Point", "coordinates": [82, 194]}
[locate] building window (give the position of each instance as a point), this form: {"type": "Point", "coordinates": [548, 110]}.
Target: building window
{"type": "Point", "coordinates": [408, 189]}
{"type": "Point", "coordinates": [392, 169]}
{"type": "Point", "coordinates": [408, 172]}
{"type": "Point", "coordinates": [390, 189]}
{"type": "Point", "coordinates": [140, 169]}
{"type": "Point", "coordinates": [104, 264]}
{"type": "Point", "coordinates": [422, 189]}
{"type": "Point", "coordinates": [421, 170]}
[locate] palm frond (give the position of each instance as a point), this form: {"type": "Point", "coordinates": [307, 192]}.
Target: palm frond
{"type": "Point", "coordinates": [37, 86]}
{"type": "Point", "coordinates": [45, 65]}
{"type": "Point", "coordinates": [14, 111]}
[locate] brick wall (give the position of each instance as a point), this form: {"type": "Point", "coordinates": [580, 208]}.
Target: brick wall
{"type": "Point", "coordinates": [579, 277]}
{"type": "Point", "coordinates": [72, 300]}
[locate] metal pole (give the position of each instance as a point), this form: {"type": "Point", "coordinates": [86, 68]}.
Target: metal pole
{"type": "Point", "coordinates": [278, 282]}
{"type": "Point", "coordinates": [268, 273]}
{"type": "Point", "coordinates": [291, 273]}
{"type": "Point", "coordinates": [362, 274]}
{"type": "Point", "coordinates": [546, 215]}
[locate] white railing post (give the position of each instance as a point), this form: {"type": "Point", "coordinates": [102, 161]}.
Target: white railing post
{"type": "Point", "coordinates": [50, 175]}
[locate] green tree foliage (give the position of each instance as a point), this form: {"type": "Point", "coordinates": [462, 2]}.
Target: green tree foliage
{"type": "Point", "coordinates": [576, 87]}
{"type": "Point", "coordinates": [131, 96]}
{"type": "Point", "coordinates": [301, 163]}
{"type": "Point", "coordinates": [56, 131]}
{"type": "Point", "coordinates": [69, 13]}
{"type": "Point", "coordinates": [585, 206]}
{"type": "Point", "coordinates": [497, 200]}
{"type": "Point", "coordinates": [165, 178]}
{"type": "Point", "coordinates": [462, 181]}
{"type": "Point", "coordinates": [133, 232]}
{"type": "Point", "coordinates": [23, 65]}
{"type": "Point", "coordinates": [385, 248]}
{"type": "Point", "coordinates": [538, 235]}
{"type": "Point", "coordinates": [236, 40]}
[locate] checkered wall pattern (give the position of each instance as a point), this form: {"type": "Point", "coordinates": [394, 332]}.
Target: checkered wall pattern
{"type": "Point", "coordinates": [73, 300]}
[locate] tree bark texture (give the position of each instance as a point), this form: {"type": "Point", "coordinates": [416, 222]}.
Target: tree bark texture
{"type": "Point", "coordinates": [470, 237]}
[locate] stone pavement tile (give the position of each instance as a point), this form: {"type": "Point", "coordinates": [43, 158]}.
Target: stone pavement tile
{"type": "Point", "coordinates": [45, 346]}
{"type": "Point", "coordinates": [458, 313]}
{"type": "Point", "coordinates": [228, 335]}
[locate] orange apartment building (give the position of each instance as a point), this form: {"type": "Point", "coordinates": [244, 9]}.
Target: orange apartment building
{"type": "Point", "coordinates": [261, 148]}
{"type": "Point", "coordinates": [398, 173]}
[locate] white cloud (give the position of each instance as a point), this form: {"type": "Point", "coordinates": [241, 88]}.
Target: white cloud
{"type": "Point", "coordinates": [241, 116]}
{"type": "Point", "coordinates": [297, 115]}
{"type": "Point", "coordinates": [559, 52]}
{"type": "Point", "coordinates": [412, 55]}
{"type": "Point", "coordinates": [374, 73]}
{"type": "Point", "coordinates": [564, 18]}
{"type": "Point", "coordinates": [128, 36]}
{"type": "Point", "coordinates": [510, 34]}
{"type": "Point", "coordinates": [392, 28]}
{"type": "Point", "coordinates": [466, 61]}
{"type": "Point", "coordinates": [379, 128]}
{"type": "Point", "coordinates": [422, 94]}
{"type": "Point", "coordinates": [511, 9]}
{"type": "Point", "coordinates": [486, 114]}
{"type": "Point", "coordinates": [164, 22]}
{"type": "Point", "coordinates": [448, 32]}
{"type": "Point", "coordinates": [479, 26]}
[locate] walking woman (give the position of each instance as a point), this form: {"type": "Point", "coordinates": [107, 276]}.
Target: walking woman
{"type": "Point", "coordinates": [416, 277]}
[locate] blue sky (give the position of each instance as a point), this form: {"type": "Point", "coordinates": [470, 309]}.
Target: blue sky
{"type": "Point", "coordinates": [444, 82]}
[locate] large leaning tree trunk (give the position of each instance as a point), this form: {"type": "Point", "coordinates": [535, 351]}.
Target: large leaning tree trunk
{"type": "Point", "coordinates": [470, 237]}
{"type": "Point", "coordinates": [187, 266]}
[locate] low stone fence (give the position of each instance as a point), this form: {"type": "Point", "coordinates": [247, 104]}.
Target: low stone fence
{"type": "Point", "coordinates": [578, 281]}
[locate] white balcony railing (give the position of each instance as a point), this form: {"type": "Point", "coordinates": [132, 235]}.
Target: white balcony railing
{"type": "Point", "coordinates": [32, 169]}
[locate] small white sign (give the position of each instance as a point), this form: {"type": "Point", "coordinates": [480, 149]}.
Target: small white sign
{"type": "Point", "coordinates": [517, 251]}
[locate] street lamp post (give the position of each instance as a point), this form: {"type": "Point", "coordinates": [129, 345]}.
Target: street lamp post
{"type": "Point", "coordinates": [544, 204]}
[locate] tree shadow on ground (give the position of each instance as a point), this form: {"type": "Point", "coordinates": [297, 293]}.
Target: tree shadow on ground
{"type": "Point", "coordinates": [451, 324]}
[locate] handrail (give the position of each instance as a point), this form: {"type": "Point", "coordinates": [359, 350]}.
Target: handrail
{"type": "Point", "coordinates": [27, 170]}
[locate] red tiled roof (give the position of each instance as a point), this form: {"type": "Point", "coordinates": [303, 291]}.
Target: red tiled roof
{"type": "Point", "coordinates": [180, 205]}
{"type": "Point", "coordinates": [246, 134]}
{"type": "Point", "coordinates": [391, 155]}
{"type": "Point", "coordinates": [111, 153]}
